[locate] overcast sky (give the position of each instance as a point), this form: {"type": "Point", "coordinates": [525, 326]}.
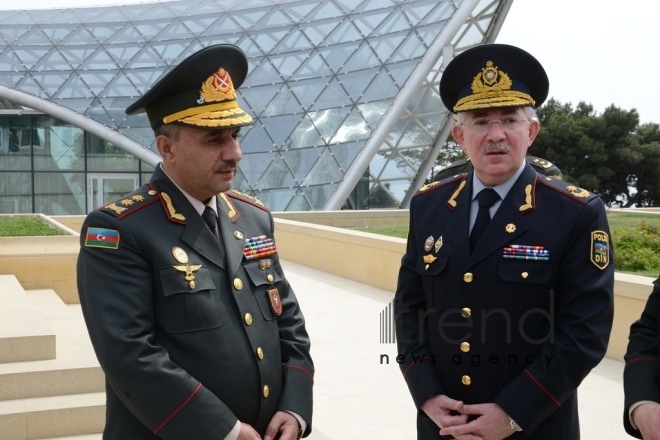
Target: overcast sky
{"type": "Point", "coordinates": [599, 51]}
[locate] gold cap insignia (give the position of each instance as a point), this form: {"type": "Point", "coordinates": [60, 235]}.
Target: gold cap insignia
{"type": "Point", "coordinates": [492, 88]}
{"type": "Point", "coordinates": [428, 259]}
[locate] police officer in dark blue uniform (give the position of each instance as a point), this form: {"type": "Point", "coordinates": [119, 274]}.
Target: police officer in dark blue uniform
{"type": "Point", "coordinates": [197, 330]}
{"type": "Point", "coordinates": [505, 294]}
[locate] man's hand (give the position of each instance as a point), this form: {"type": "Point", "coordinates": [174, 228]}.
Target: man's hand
{"type": "Point", "coordinates": [284, 423]}
{"type": "Point", "coordinates": [492, 423]}
{"type": "Point", "coordinates": [439, 409]}
{"type": "Point", "coordinates": [647, 419]}
{"type": "Point", "coordinates": [248, 433]}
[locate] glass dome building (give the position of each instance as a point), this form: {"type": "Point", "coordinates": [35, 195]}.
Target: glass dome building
{"type": "Point", "coordinates": [344, 94]}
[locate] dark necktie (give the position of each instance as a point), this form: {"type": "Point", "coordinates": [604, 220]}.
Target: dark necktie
{"type": "Point", "coordinates": [486, 198]}
{"type": "Point", "coordinates": [211, 220]}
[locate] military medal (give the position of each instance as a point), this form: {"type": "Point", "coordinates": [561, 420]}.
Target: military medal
{"type": "Point", "coordinates": [429, 259]}
{"type": "Point", "coordinates": [428, 244]}
{"type": "Point", "coordinates": [525, 252]}
{"type": "Point", "coordinates": [275, 301]}
{"type": "Point", "coordinates": [188, 270]}
{"type": "Point", "coordinates": [258, 247]}
{"type": "Point", "coordinates": [510, 228]}
{"type": "Point", "coordinates": [438, 244]}
{"type": "Point", "coordinates": [180, 255]}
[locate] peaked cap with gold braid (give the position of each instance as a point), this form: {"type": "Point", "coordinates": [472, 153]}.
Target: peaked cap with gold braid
{"type": "Point", "coordinates": [200, 92]}
{"type": "Point", "coordinates": [493, 75]}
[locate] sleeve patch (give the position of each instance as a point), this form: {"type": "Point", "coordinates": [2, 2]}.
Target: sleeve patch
{"type": "Point", "coordinates": [600, 249]}
{"type": "Point", "coordinates": [102, 238]}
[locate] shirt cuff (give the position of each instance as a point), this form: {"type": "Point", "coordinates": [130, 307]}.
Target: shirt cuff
{"type": "Point", "coordinates": [233, 434]}
{"type": "Point", "coordinates": [302, 422]}
{"type": "Point", "coordinates": [632, 407]}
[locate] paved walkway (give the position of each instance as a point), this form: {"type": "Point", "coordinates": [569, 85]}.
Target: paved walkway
{"type": "Point", "coordinates": [357, 397]}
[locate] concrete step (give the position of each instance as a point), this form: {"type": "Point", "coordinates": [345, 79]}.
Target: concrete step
{"type": "Point", "coordinates": [24, 333]}
{"type": "Point", "coordinates": [98, 436]}
{"type": "Point", "coordinates": [55, 416]}
{"type": "Point", "coordinates": [74, 371]}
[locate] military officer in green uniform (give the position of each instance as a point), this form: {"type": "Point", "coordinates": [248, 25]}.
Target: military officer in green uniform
{"type": "Point", "coordinates": [504, 301]}
{"type": "Point", "coordinates": [198, 332]}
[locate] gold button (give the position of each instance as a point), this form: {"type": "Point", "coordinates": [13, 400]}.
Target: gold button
{"type": "Point", "coordinates": [266, 390]}
{"type": "Point", "coordinates": [468, 277]}
{"type": "Point", "coordinates": [270, 278]}
{"type": "Point", "coordinates": [260, 353]}
{"type": "Point", "coordinates": [465, 347]}
{"type": "Point", "coordinates": [152, 193]}
{"type": "Point", "coordinates": [466, 312]}
{"type": "Point", "coordinates": [466, 380]}
{"type": "Point", "coordinates": [524, 275]}
{"type": "Point", "coordinates": [238, 235]}
{"type": "Point", "coordinates": [192, 284]}
{"type": "Point", "coordinates": [238, 284]}
{"type": "Point", "coordinates": [426, 267]}
{"type": "Point", "coordinates": [248, 319]}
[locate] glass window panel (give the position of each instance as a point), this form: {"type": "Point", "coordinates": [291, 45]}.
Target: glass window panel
{"type": "Point", "coordinates": [258, 98]}
{"type": "Point", "coordinates": [397, 131]}
{"type": "Point", "coordinates": [102, 31]}
{"type": "Point", "coordinates": [149, 29]}
{"type": "Point", "coordinates": [59, 193]}
{"type": "Point", "coordinates": [410, 49]}
{"type": "Point", "coordinates": [90, 15]}
{"type": "Point", "coordinates": [95, 81]}
{"type": "Point", "coordinates": [334, 95]}
{"type": "Point", "coordinates": [305, 135]}
{"type": "Point", "coordinates": [429, 33]}
{"type": "Point", "coordinates": [318, 195]}
{"type": "Point", "coordinates": [312, 66]}
{"type": "Point", "coordinates": [263, 74]}
{"type": "Point", "coordinates": [431, 102]}
{"type": "Point", "coordinates": [417, 11]}
{"type": "Point", "coordinates": [53, 61]}
{"type": "Point", "coordinates": [256, 140]}
{"type": "Point", "coordinates": [386, 45]}
{"type": "Point", "coordinates": [50, 81]}
{"type": "Point", "coordinates": [79, 36]}
{"type": "Point", "coordinates": [104, 156]}
{"type": "Point", "coordinates": [279, 128]}
{"type": "Point", "coordinates": [485, 7]}
{"type": "Point", "coordinates": [10, 79]}
{"type": "Point", "coordinates": [35, 37]}
{"type": "Point", "coordinates": [253, 166]}
{"type": "Point", "coordinates": [414, 136]}
{"type": "Point", "coordinates": [10, 62]}
{"type": "Point", "coordinates": [432, 123]}
{"type": "Point", "coordinates": [346, 31]}
{"type": "Point", "coordinates": [15, 193]}
{"type": "Point", "coordinates": [296, 40]}
{"type": "Point", "coordinates": [472, 36]}
{"type": "Point", "coordinates": [197, 25]}
{"type": "Point", "coordinates": [399, 189]}
{"type": "Point", "coordinates": [10, 33]}
{"type": "Point", "coordinates": [121, 53]}
{"type": "Point", "coordinates": [145, 178]}
{"type": "Point", "coordinates": [337, 55]}
{"type": "Point", "coordinates": [54, 16]}
{"type": "Point", "coordinates": [277, 175]}
{"type": "Point", "coordinates": [443, 11]}
{"type": "Point", "coordinates": [416, 156]}
{"type": "Point", "coordinates": [396, 167]}
{"type": "Point", "coordinates": [485, 24]}
{"type": "Point", "coordinates": [373, 112]}
{"type": "Point", "coordinates": [328, 121]}
{"type": "Point", "coordinates": [355, 83]}
{"type": "Point", "coordinates": [381, 87]}
{"type": "Point", "coordinates": [224, 25]}
{"type": "Point", "coordinates": [74, 87]}
{"type": "Point", "coordinates": [325, 170]}
{"type": "Point", "coordinates": [146, 167]}
{"type": "Point", "coordinates": [120, 86]}
{"type": "Point", "coordinates": [276, 18]}
{"type": "Point", "coordinates": [345, 154]}
{"type": "Point", "coordinates": [318, 31]}
{"type": "Point", "coordinates": [57, 145]}
{"type": "Point", "coordinates": [76, 55]}
{"type": "Point", "coordinates": [298, 203]}
{"type": "Point", "coordinates": [300, 10]}
{"type": "Point", "coordinates": [353, 128]}
{"type": "Point", "coordinates": [145, 78]}
{"type": "Point", "coordinates": [175, 31]}
{"type": "Point", "coordinates": [17, 19]}
{"type": "Point", "coordinates": [363, 58]}
{"type": "Point", "coordinates": [285, 102]}
{"type": "Point", "coordinates": [381, 198]}
{"type": "Point", "coordinates": [325, 10]}
{"type": "Point", "coordinates": [300, 161]}
{"type": "Point", "coordinates": [240, 183]}
{"type": "Point", "coordinates": [30, 55]}
{"type": "Point", "coordinates": [267, 40]}
{"type": "Point", "coordinates": [397, 21]}
{"type": "Point", "coordinates": [100, 60]}
{"type": "Point", "coordinates": [276, 199]}
{"type": "Point", "coordinates": [401, 71]}
{"type": "Point", "coordinates": [287, 64]}
{"type": "Point", "coordinates": [368, 22]}
{"type": "Point", "coordinates": [249, 18]}
{"type": "Point", "coordinates": [146, 58]}
{"type": "Point", "coordinates": [15, 142]}
{"type": "Point", "coordinates": [371, 5]}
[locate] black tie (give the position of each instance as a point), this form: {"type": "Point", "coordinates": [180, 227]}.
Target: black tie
{"type": "Point", "coordinates": [211, 220]}
{"type": "Point", "coordinates": [486, 198]}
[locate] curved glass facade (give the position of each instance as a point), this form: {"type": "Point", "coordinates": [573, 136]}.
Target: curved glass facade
{"type": "Point", "coordinates": [322, 76]}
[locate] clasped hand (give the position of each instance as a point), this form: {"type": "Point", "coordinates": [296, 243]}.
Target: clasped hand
{"type": "Point", "coordinates": [451, 416]}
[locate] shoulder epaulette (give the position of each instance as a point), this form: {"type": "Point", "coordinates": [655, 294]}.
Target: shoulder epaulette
{"type": "Point", "coordinates": [439, 184]}
{"type": "Point", "coordinates": [130, 203]}
{"type": "Point", "coordinates": [539, 162]}
{"type": "Point", "coordinates": [246, 198]}
{"type": "Point", "coordinates": [454, 168]}
{"type": "Point", "coordinates": [569, 190]}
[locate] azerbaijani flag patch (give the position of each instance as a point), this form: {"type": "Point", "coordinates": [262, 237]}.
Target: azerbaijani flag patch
{"type": "Point", "coordinates": [102, 238]}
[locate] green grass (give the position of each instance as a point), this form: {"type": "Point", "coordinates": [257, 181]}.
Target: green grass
{"type": "Point", "coordinates": [635, 236]}
{"type": "Point", "coordinates": [25, 226]}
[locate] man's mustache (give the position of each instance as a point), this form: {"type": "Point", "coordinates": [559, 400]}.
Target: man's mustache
{"type": "Point", "coordinates": [497, 146]}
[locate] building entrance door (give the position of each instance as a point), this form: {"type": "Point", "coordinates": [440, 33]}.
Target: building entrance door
{"type": "Point", "coordinates": [104, 188]}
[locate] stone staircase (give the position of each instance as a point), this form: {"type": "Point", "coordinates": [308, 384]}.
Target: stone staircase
{"type": "Point", "coordinates": [51, 386]}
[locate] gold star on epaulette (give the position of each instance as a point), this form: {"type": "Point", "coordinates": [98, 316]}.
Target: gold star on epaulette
{"type": "Point", "coordinates": [126, 202]}
{"type": "Point", "coordinates": [428, 186]}
{"type": "Point", "coordinates": [249, 197]}
{"type": "Point", "coordinates": [577, 192]}
{"type": "Point", "coordinates": [137, 198]}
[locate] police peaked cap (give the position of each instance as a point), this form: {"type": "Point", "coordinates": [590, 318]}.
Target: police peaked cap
{"type": "Point", "coordinates": [493, 75]}
{"type": "Point", "coordinates": [199, 92]}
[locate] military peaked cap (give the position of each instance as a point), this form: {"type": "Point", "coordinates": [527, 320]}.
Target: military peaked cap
{"type": "Point", "coordinates": [200, 92]}
{"type": "Point", "coordinates": [493, 75]}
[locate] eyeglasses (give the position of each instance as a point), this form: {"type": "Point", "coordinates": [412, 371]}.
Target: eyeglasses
{"type": "Point", "coordinates": [482, 125]}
